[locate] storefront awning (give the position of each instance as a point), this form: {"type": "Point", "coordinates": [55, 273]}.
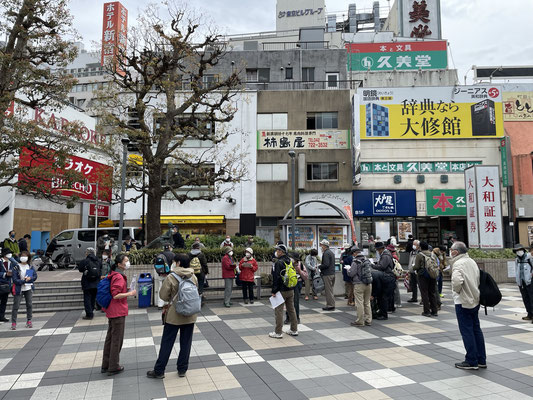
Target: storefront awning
{"type": "Point", "coordinates": [192, 219]}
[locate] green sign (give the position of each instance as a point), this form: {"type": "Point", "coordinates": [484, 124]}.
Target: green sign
{"type": "Point", "coordinates": [448, 202]}
{"type": "Point", "coordinates": [505, 163]}
{"type": "Point", "coordinates": [416, 167]}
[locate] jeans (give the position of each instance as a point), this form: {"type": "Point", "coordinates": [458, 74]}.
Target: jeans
{"type": "Point", "coordinates": [167, 343]}
{"type": "Point", "coordinates": [113, 343]}
{"type": "Point", "coordinates": [248, 290]}
{"type": "Point", "coordinates": [297, 291]}
{"type": "Point", "coordinates": [201, 280]}
{"type": "Point", "coordinates": [473, 340]}
{"type": "Point", "coordinates": [439, 283]}
{"type": "Point", "coordinates": [413, 280]}
{"type": "Point", "coordinates": [28, 294]}
{"type": "Point", "coordinates": [329, 283]}
{"type": "Point", "coordinates": [428, 289]}
{"type": "Point", "coordinates": [3, 304]}
{"type": "Point", "coordinates": [228, 287]}
{"type": "Point", "coordinates": [362, 303]}
{"type": "Point", "coordinates": [527, 297]}
{"type": "Point", "coordinates": [288, 296]}
{"type": "Point", "coordinates": [89, 301]}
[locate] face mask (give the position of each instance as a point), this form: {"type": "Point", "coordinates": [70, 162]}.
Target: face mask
{"type": "Point", "coordinates": [414, 247]}
{"type": "Point", "coordinates": [127, 265]}
{"type": "Point", "coordinates": [9, 255]}
{"type": "Point", "coordinates": [104, 257]}
{"type": "Point", "coordinates": [230, 253]}
{"type": "Point", "coordinates": [248, 255]}
{"type": "Point", "coordinates": [12, 236]}
{"type": "Point", "coordinates": [520, 253]}
{"type": "Point", "coordinates": [23, 259]}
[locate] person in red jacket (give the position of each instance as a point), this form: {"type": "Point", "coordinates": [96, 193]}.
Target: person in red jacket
{"type": "Point", "coordinates": [116, 314]}
{"type": "Point", "coordinates": [248, 266]}
{"type": "Point", "coordinates": [228, 273]}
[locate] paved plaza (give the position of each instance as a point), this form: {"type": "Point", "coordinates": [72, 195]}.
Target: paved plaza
{"type": "Point", "coordinates": [407, 357]}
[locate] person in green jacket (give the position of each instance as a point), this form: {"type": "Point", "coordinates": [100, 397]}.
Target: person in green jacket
{"type": "Point", "coordinates": [11, 244]}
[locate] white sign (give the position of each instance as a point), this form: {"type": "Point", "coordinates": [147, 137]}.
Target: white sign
{"type": "Point", "coordinates": [421, 19]}
{"type": "Point", "coordinates": [471, 209]}
{"type": "Point", "coordinates": [511, 265]}
{"type": "Point", "coordinates": [340, 199]}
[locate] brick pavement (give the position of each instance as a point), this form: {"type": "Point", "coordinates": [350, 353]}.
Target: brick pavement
{"type": "Point", "coordinates": [406, 357]}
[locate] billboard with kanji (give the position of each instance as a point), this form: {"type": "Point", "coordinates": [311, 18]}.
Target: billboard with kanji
{"type": "Point", "coordinates": [446, 202]}
{"type": "Point", "coordinates": [114, 33]}
{"type": "Point", "coordinates": [455, 112]}
{"type": "Point", "coordinates": [310, 139]}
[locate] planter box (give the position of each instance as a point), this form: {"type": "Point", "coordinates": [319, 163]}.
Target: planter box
{"type": "Point", "coordinates": [497, 268]}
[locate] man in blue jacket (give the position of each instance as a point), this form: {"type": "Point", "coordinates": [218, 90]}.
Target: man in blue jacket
{"type": "Point", "coordinates": [5, 280]}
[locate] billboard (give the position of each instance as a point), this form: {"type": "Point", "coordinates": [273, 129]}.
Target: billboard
{"type": "Point", "coordinates": [305, 140]}
{"type": "Point", "coordinates": [517, 106]}
{"type": "Point", "coordinates": [384, 203]}
{"type": "Point", "coordinates": [401, 56]}
{"type": "Point", "coordinates": [446, 202]}
{"type": "Point", "coordinates": [114, 32]}
{"type": "Point", "coordinates": [420, 19]}
{"type": "Point", "coordinates": [454, 112]}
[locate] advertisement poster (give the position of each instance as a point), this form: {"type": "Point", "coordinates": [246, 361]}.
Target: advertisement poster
{"type": "Point", "coordinates": [471, 212]}
{"type": "Point", "coordinates": [405, 228]}
{"type": "Point", "coordinates": [517, 106]}
{"type": "Point", "coordinates": [305, 237]}
{"type": "Point", "coordinates": [335, 235]}
{"type": "Point", "coordinates": [310, 139]}
{"type": "Point", "coordinates": [375, 203]}
{"type": "Point", "coordinates": [454, 112]}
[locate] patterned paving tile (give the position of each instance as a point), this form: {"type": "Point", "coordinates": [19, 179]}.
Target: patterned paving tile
{"type": "Point", "coordinates": [316, 318]}
{"type": "Point", "coordinates": [521, 337]}
{"type": "Point", "coordinates": [297, 368]}
{"type": "Point", "coordinates": [241, 357]}
{"type": "Point", "coordinates": [67, 361]}
{"type": "Point", "coordinates": [200, 380]}
{"type": "Point", "coordinates": [230, 311]}
{"type": "Point", "coordinates": [263, 342]}
{"type": "Point", "coordinates": [413, 328]}
{"type": "Point", "coordinates": [458, 346]}
{"type": "Point", "coordinates": [396, 357]}
{"type": "Point", "coordinates": [373, 394]}
{"type": "Point", "coordinates": [247, 323]}
{"type": "Point", "coordinates": [208, 318]}
{"type": "Point", "coordinates": [14, 343]}
{"type": "Point", "coordinates": [405, 340]}
{"type": "Point", "coordinates": [525, 370]}
{"type": "Point", "coordinates": [383, 378]}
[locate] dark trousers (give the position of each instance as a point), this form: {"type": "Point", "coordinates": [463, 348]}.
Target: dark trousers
{"type": "Point", "coordinates": [248, 290]}
{"type": "Point", "coordinates": [89, 301]}
{"type": "Point", "coordinates": [527, 297]}
{"type": "Point", "coordinates": [167, 343]}
{"type": "Point", "coordinates": [3, 304]}
{"type": "Point", "coordinates": [201, 280]}
{"type": "Point", "coordinates": [473, 340]}
{"type": "Point", "coordinates": [297, 291]}
{"type": "Point", "coordinates": [428, 288]}
{"type": "Point", "coordinates": [439, 283]}
{"type": "Point", "coordinates": [413, 282]}
{"type": "Point", "coordinates": [388, 283]}
{"type": "Point", "coordinates": [113, 343]}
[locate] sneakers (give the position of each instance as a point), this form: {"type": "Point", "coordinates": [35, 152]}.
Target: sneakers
{"type": "Point", "coordinates": [13, 326]}
{"type": "Point", "coordinates": [434, 314]}
{"type": "Point", "coordinates": [465, 365]}
{"type": "Point", "coordinates": [426, 314]}
{"type": "Point", "coordinates": [328, 308]}
{"type": "Point", "coordinates": [356, 324]}
{"type": "Point", "coordinates": [115, 372]}
{"type": "Point", "coordinates": [182, 374]}
{"type": "Point", "coordinates": [29, 324]}
{"type": "Point", "coordinates": [275, 335]}
{"type": "Point", "coordinates": [291, 333]}
{"type": "Point", "coordinates": [368, 323]}
{"type": "Point", "coordinates": [154, 375]}
{"type": "Point", "coordinates": [251, 302]}
{"type": "Point", "coordinates": [227, 305]}
{"type": "Point", "coordinates": [441, 295]}
{"type": "Point", "coordinates": [484, 366]}
{"type": "Point", "coordinates": [87, 318]}
{"type": "Point", "coordinates": [246, 301]}
{"type": "Point", "coordinates": [528, 318]}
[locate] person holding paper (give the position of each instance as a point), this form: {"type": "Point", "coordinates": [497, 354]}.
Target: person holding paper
{"type": "Point", "coordinates": [23, 277]}
{"type": "Point", "coordinates": [287, 293]}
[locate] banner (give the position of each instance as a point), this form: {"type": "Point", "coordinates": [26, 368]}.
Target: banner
{"type": "Point", "coordinates": [517, 106]}
{"type": "Point", "coordinates": [447, 202]}
{"type": "Point", "coordinates": [471, 212]}
{"type": "Point", "coordinates": [379, 203]}
{"type": "Point", "coordinates": [397, 56]}
{"type": "Point", "coordinates": [455, 112]}
{"type": "Point", "coordinates": [308, 140]}
{"type": "Point", "coordinates": [114, 33]}
{"type": "Point", "coordinates": [416, 167]}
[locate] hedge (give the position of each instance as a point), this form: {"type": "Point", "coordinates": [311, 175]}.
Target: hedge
{"type": "Point", "coordinates": [500, 254]}
{"type": "Point", "coordinates": [214, 241]}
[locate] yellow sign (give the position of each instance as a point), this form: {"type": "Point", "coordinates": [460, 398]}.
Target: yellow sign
{"type": "Point", "coordinates": [518, 106]}
{"type": "Point", "coordinates": [430, 113]}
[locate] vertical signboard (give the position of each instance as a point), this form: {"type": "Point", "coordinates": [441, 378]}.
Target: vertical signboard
{"type": "Point", "coordinates": [485, 225]}
{"type": "Point", "coordinates": [420, 19]}
{"type": "Point", "coordinates": [114, 33]}
{"type": "Point", "coordinates": [471, 210]}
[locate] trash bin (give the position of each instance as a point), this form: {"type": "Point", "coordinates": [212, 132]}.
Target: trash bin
{"type": "Point", "coordinates": [145, 290]}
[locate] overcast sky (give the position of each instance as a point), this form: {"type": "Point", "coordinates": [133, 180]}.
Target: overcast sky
{"type": "Point", "coordinates": [480, 32]}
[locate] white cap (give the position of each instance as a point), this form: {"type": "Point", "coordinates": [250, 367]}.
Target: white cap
{"type": "Point", "coordinates": [249, 250]}
{"type": "Point", "coordinates": [324, 242]}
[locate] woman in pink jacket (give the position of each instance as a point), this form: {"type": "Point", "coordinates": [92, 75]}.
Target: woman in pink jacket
{"type": "Point", "coordinates": [116, 314]}
{"type": "Point", "coordinates": [228, 273]}
{"type": "Point", "coordinates": [248, 266]}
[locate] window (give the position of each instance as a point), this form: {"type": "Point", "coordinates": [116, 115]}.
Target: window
{"type": "Point", "coordinates": [251, 75]}
{"type": "Point", "coordinates": [264, 74]}
{"type": "Point", "coordinates": [86, 236]}
{"type": "Point", "coordinates": [67, 235]}
{"type": "Point", "coordinates": [332, 80]}
{"type": "Point", "coordinates": [272, 172]}
{"type": "Point", "coordinates": [179, 176]}
{"type": "Point", "coordinates": [258, 75]}
{"type": "Point", "coordinates": [308, 74]}
{"type": "Point", "coordinates": [288, 73]}
{"type": "Point", "coordinates": [322, 120]}
{"type": "Point", "coordinates": [275, 121]}
{"type": "Point", "coordinates": [209, 80]}
{"type": "Point", "coordinates": [322, 172]}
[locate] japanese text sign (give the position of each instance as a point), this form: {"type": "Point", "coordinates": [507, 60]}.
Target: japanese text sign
{"type": "Point", "coordinates": [319, 139]}
{"type": "Point", "coordinates": [416, 167]}
{"type": "Point", "coordinates": [397, 56]}
{"type": "Point", "coordinates": [92, 171]}
{"type": "Point", "coordinates": [446, 202]}
{"type": "Point", "coordinates": [517, 106]}
{"type": "Point", "coordinates": [103, 210]}
{"type": "Point", "coordinates": [421, 19]}
{"type": "Point", "coordinates": [400, 203]}
{"type": "Point", "coordinates": [484, 205]}
{"type": "Point", "coordinates": [114, 32]}
{"type": "Point", "coordinates": [456, 112]}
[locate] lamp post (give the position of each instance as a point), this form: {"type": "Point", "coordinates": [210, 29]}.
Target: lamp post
{"type": "Point", "coordinates": [125, 142]}
{"type": "Point", "coordinates": [292, 155]}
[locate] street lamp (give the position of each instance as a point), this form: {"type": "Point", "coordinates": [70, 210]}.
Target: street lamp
{"type": "Point", "coordinates": [292, 155]}
{"type": "Point", "coordinates": [125, 142]}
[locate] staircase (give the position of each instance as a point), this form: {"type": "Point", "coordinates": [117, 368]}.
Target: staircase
{"type": "Point", "coordinates": [52, 296]}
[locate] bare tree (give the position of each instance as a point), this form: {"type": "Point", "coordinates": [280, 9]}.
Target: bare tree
{"type": "Point", "coordinates": [169, 88]}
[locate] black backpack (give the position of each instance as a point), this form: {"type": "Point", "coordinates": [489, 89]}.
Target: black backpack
{"type": "Point", "coordinates": [366, 272]}
{"type": "Point", "coordinates": [489, 293]}
{"type": "Point", "coordinates": [92, 270]}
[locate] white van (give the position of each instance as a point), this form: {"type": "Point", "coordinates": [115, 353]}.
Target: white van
{"type": "Point", "coordinates": [76, 241]}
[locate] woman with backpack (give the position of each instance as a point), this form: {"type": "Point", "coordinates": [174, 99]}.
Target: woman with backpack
{"type": "Point", "coordinates": [116, 313]}
{"type": "Point", "coordinates": [248, 266]}
{"type": "Point", "coordinates": [228, 274]}
{"type": "Point", "coordinates": [23, 277]}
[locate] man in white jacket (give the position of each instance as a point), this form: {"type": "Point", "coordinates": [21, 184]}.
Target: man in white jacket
{"type": "Point", "coordinates": [465, 289]}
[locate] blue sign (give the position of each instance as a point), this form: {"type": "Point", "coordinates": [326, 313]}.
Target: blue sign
{"type": "Point", "coordinates": [384, 203]}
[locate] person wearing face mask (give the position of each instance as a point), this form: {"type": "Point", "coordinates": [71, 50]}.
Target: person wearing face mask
{"type": "Point", "coordinates": [6, 273]}
{"type": "Point", "coordinates": [105, 242]}
{"type": "Point", "coordinates": [11, 243]}
{"type": "Point", "coordinates": [116, 314]}
{"type": "Point", "coordinates": [106, 263]}
{"type": "Point", "coordinates": [91, 268]}
{"type": "Point", "coordinates": [23, 277]}
{"type": "Point", "coordinates": [226, 243]}
{"type": "Point", "coordinates": [228, 274]}
{"type": "Point", "coordinates": [248, 266]}
{"type": "Point", "coordinates": [413, 278]}
{"type": "Point", "coordinates": [523, 271]}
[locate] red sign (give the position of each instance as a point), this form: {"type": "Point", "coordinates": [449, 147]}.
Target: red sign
{"type": "Point", "coordinates": [114, 32]}
{"type": "Point", "coordinates": [61, 124]}
{"type": "Point", "coordinates": [92, 171]}
{"type": "Point", "coordinates": [395, 47]}
{"type": "Point", "coordinates": [103, 211]}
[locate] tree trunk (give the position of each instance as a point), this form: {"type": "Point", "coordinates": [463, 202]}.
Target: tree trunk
{"type": "Point", "coordinates": [153, 217]}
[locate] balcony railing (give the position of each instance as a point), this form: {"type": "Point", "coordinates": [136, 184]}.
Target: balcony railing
{"type": "Point", "coordinates": [277, 46]}
{"type": "Point", "coordinates": [301, 85]}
